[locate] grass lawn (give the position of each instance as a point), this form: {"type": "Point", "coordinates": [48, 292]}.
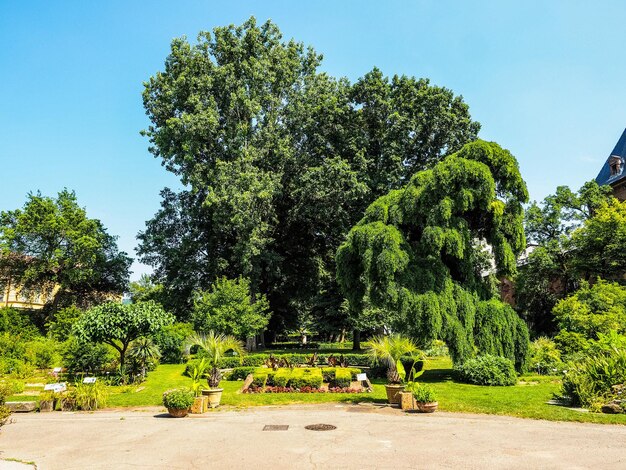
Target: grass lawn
{"type": "Point", "coordinates": [525, 400]}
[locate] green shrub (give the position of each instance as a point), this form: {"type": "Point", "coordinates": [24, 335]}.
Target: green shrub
{"type": "Point", "coordinates": [17, 323]}
{"type": "Point", "coordinates": [179, 399]}
{"type": "Point", "coordinates": [545, 358]}
{"type": "Point", "coordinates": [487, 370]}
{"type": "Point", "coordinates": [12, 346]}
{"type": "Point", "coordinates": [305, 378]}
{"type": "Point", "coordinates": [90, 397]}
{"type": "Point", "coordinates": [60, 327]}
{"type": "Point", "coordinates": [171, 342]}
{"type": "Point", "coordinates": [240, 373]}
{"type": "Point", "coordinates": [16, 368]}
{"type": "Point", "coordinates": [5, 412]}
{"type": "Point", "coordinates": [42, 353]}
{"type": "Point", "coordinates": [437, 348]}
{"type": "Point", "coordinates": [342, 379]}
{"type": "Point", "coordinates": [590, 381]}
{"type": "Point", "coordinates": [79, 356]}
{"type": "Point", "coordinates": [260, 379]}
{"type": "Point", "coordinates": [281, 378]}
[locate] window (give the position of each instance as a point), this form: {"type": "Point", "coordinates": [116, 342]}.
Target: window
{"type": "Point", "coordinates": [615, 164]}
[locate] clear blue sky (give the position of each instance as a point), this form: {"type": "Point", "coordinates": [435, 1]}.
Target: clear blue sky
{"type": "Point", "coordinates": [545, 79]}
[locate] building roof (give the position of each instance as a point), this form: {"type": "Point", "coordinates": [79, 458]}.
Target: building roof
{"type": "Point", "coordinates": [604, 177]}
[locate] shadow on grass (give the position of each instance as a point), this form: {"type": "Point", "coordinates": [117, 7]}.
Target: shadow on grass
{"type": "Point", "coordinates": [437, 375]}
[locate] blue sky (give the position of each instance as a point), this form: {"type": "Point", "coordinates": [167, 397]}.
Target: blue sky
{"type": "Point", "coordinates": [545, 79]}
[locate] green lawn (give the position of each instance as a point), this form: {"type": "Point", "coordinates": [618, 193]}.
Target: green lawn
{"type": "Point", "coordinates": [526, 400]}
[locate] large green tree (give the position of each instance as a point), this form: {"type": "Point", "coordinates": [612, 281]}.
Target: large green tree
{"type": "Point", "coordinates": [550, 272]}
{"type": "Point", "coordinates": [279, 160]}
{"type": "Point", "coordinates": [420, 252]}
{"type": "Point", "coordinates": [51, 245]}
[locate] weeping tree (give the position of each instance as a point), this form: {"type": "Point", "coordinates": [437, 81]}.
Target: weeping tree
{"type": "Point", "coordinates": [422, 254]}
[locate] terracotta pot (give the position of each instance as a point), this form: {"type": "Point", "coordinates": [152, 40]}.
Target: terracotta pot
{"type": "Point", "coordinates": [199, 405]}
{"type": "Point", "coordinates": [214, 396]}
{"type": "Point", "coordinates": [427, 407]}
{"type": "Point", "coordinates": [46, 406]}
{"type": "Point", "coordinates": [178, 412]}
{"type": "Point", "coordinates": [407, 402]}
{"type": "Point", "coordinates": [393, 393]}
{"type": "Point", "coordinates": [68, 404]}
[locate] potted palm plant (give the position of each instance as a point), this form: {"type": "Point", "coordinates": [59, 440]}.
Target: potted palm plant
{"type": "Point", "coordinates": [214, 347]}
{"type": "Point", "coordinates": [389, 350]}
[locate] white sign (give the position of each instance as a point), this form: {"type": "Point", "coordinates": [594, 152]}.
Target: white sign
{"type": "Point", "coordinates": [89, 380]}
{"type": "Point", "coordinates": [56, 370]}
{"type": "Point", "coordinates": [58, 387]}
{"type": "Point", "coordinates": [361, 377]}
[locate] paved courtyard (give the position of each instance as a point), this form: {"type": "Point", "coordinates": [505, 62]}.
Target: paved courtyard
{"type": "Point", "coordinates": [365, 437]}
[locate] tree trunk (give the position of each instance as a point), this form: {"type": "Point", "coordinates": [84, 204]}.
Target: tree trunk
{"type": "Point", "coordinates": [262, 340]}
{"type": "Point", "coordinates": [251, 343]}
{"type": "Point", "coordinates": [356, 340]}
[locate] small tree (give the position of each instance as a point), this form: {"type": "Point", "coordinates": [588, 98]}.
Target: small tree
{"type": "Point", "coordinates": [215, 347]}
{"type": "Point", "coordinates": [228, 308]}
{"type": "Point", "coordinates": [118, 324]}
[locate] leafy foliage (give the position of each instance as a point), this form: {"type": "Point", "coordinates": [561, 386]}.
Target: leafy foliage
{"type": "Point", "coordinates": [280, 161]}
{"type": "Point", "coordinates": [589, 381]}
{"type": "Point", "coordinates": [179, 399]}
{"type": "Point", "coordinates": [545, 357]}
{"type": "Point", "coordinates": [61, 324]}
{"type": "Point", "coordinates": [171, 342]}
{"type": "Point", "coordinates": [591, 311]}
{"type": "Point", "coordinates": [51, 246]}
{"type": "Point", "coordinates": [552, 270]}
{"type": "Point", "coordinates": [17, 322]}
{"type": "Point", "coordinates": [487, 370]}
{"type": "Point", "coordinates": [84, 356]}
{"type": "Point", "coordinates": [421, 392]}
{"type": "Point", "coordinates": [118, 324]}
{"type": "Point", "coordinates": [228, 308]}
{"type": "Point", "coordinates": [420, 252]}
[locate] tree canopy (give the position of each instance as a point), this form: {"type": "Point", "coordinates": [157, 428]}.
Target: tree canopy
{"type": "Point", "coordinates": [227, 308]}
{"type": "Point", "coordinates": [51, 245]}
{"type": "Point", "coordinates": [554, 268]}
{"type": "Point", "coordinates": [279, 161]}
{"type": "Point", "coordinates": [118, 324]}
{"type": "Point", "coordinates": [420, 251]}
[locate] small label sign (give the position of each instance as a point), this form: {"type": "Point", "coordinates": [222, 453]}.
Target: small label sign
{"type": "Point", "coordinates": [56, 370]}
{"type": "Point", "coordinates": [89, 380]}
{"type": "Point", "coordinates": [58, 387]}
{"type": "Point", "coordinates": [361, 377]}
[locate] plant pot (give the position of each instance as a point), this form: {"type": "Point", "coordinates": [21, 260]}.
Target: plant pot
{"type": "Point", "coordinates": [393, 393]}
{"type": "Point", "coordinates": [427, 407]}
{"type": "Point", "coordinates": [407, 402]}
{"type": "Point", "coordinates": [199, 405]}
{"type": "Point", "coordinates": [178, 412]}
{"type": "Point", "coordinates": [68, 404]}
{"type": "Point", "coordinates": [46, 406]}
{"type": "Point", "coordinates": [214, 396]}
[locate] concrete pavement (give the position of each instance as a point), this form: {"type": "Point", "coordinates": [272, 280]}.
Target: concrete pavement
{"type": "Point", "coordinates": [366, 437]}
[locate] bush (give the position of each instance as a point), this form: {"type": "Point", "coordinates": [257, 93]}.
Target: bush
{"type": "Point", "coordinates": [171, 342]}
{"type": "Point", "coordinates": [293, 345]}
{"type": "Point", "coordinates": [545, 358]}
{"type": "Point", "coordinates": [487, 370]}
{"type": "Point", "coordinates": [281, 378]}
{"type": "Point", "coordinates": [342, 379]}
{"type": "Point", "coordinates": [16, 368]}
{"type": "Point", "coordinates": [179, 399]}
{"type": "Point", "coordinates": [260, 379]}
{"type": "Point", "coordinates": [79, 356]}
{"type": "Point", "coordinates": [12, 346]}
{"type": "Point", "coordinates": [301, 378]}
{"type": "Point", "coordinates": [17, 323]}
{"type": "Point", "coordinates": [240, 373]}
{"type": "Point", "coordinates": [437, 348]}
{"type": "Point", "coordinates": [590, 381]}
{"type": "Point", "coordinates": [42, 353]}
{"type": "Point", "coordinates": [90, 397]}
{"type": "Point", "coordinates": [60, 327]}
